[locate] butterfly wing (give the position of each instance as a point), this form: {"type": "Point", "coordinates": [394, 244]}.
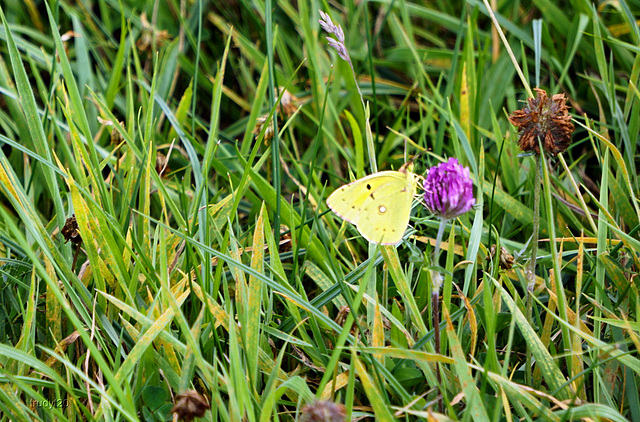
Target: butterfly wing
{"type": "Point", "coordinates": [385, 217]}
{"type": "Point", "coordinates": [379, 205]}
{"type": "Point", "coordinates": [347, 201]}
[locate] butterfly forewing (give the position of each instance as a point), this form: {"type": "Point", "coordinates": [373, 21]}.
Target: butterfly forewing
{"type": "Point", "coordinates": [345, 202]}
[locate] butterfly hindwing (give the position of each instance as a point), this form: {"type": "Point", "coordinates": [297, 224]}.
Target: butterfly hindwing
{"type": "Point", "coordinates": [385, 220]}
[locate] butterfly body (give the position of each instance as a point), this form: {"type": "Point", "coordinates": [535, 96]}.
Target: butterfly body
{"type": "Point", "coordinates": [379, 205]}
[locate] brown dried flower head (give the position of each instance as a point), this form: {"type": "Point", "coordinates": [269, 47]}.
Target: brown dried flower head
{"type": "Point", "coordinates": [323, 411]}
{"type": "Point", "coordinates": [288, 105]}
{"type": "Point", "coordinates": [285, 239]}
{"type": "Point", "coordinates": [162, 164]}
{"type": "Point", "coordinates": [289, 102]}
{"type": "Point", "coordinates": [505, 259]}
{"type": "Point", "coordinates": [115, 136]}
{"type": "Point", "coordinates": [269, 131]}
{"type": "Point", "coordinates": [190, 405]}
{"type": "Point", "coordinates": [545, 119]}
{"type": "Point", "coordinates": [70, 231]}
{"type": "Point", "coordinates": [147, 34]}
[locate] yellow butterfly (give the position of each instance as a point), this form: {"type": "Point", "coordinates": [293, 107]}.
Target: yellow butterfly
{"type": "Point", "coordinates": [379, 205]}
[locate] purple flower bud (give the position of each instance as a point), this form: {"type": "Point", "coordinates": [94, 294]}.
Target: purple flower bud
{"type": "Point", "coordinates": [448, 190]}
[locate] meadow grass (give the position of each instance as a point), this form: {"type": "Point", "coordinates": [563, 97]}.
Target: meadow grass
{"type": "Point", "coordinates": [194, 144]}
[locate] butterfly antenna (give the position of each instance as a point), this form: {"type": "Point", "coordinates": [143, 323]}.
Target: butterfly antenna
{"type": "Point", "coordinates": [406, 167]}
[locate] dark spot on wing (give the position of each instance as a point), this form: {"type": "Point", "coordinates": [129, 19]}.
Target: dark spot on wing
{"type": "Point", "coordinates": [368, 186]}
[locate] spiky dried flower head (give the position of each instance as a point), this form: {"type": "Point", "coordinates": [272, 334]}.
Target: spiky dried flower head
{"type": "Point", "coordinates": [190, 405]}
{"type": "Point", "coordinates": [323, 411]}
{"type": "Point", "coordinates": [70, 231]}
{"type": "Point", "coordinates": [546, 119]}
{"type": "Point", "coordinates": [448, 190]}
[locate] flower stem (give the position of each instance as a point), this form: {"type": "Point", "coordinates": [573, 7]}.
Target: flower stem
{"type": "Point", "coordinates": [531, 266]}
{"type": "Point", "coordinates": [436, 253]}
{"type": "Point", "coordinates": [436, 282]}
{"type": "Point", "coordinates": [435, 303]}
{"type": "Point", "coordinates": [530, 271]}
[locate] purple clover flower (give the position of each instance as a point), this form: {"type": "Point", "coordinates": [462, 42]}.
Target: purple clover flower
{"type": "Point", "coordinates": [448, 190]}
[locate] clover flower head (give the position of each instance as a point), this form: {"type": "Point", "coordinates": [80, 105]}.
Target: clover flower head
{"type": "Point", "coordinates": [546, 119]}
{"type": "Point", "coordinates": [448, 190]}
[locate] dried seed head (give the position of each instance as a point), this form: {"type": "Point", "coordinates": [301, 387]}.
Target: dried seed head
{"type": "Point", "coordinates": [269, 131]}
{"type": "Point", "coordinates": [190, 405]}
{"type": "Point", "coordinates": [505, 259]}
{"type": "Point", "coordinates": [285, 239]}
{"type": "Point", "coordinates": [116, 137]}
{"type": "Point", "coordinates": [289, 102]}
{"type": "Point", "coordinates": [70, 231]}
{"type": "Point", "coordinates": [162, 164]}
{"type": "Point", "coordinates": [147, 33]}
{"type": "Point", "coordinates": [323, 411]}
{"type": "Point", "coordinates": [288, 106]}
{"type": "Point", "coordinates": [545, 119]}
